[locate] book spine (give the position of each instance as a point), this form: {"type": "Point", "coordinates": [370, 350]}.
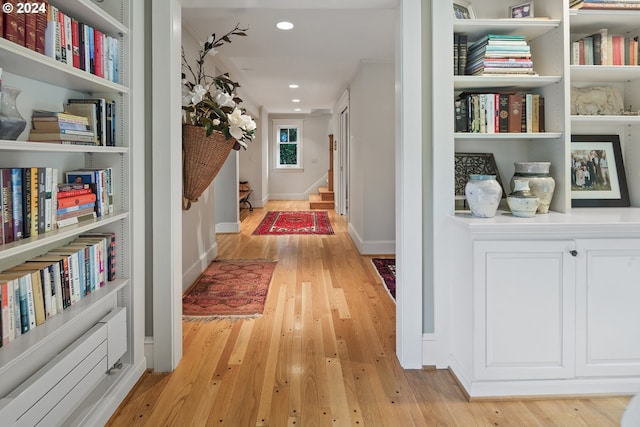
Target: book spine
{"type": "Point", "coordinates": [11, 296]}
{"type": "Point", "coordinates": [4, 313]}
{"type": "Point", "coordinates": [30, 31]}
{"type": "Point", "coordinates": [31, 308]}
{"type": "Point", "coordinates": [24, 306]}
{"type": "Point", "coordinates": [81, 46]}
{"type": "Point", "coordinates": [61, 34]}
{"type": "Point", "coordinates": [99, 52]}
{"type": "Point", "coordinates": [68, 38]}
{"type": "Point", "coordinates": [76, 208]}
{"type": "Point", "coordinates": [75, 43]}
{"type": "Point", "coordinates": [26, 203]}
{"type": "Point", "coordinates": [34, 200]}
{"type": "Point", "coordinates": [48, 201]}
{"type": "Point", "coordinates": [79, 200]}
{"type": "Point", "coordinates": [38, 298]}
{"type": "Point", "coordinates": [503, 113]}
{"type": "Point", "coordinates": [42, 196]}
{"type": "Point", "coordinates": [515, 113]}
{"type": "Point", "coordinates": [50, 32]}
{"type": "Point", "coordinates": [16, 203]}
{"type": "Point", "coordinates": [7, 205]}
{"type": "Point", "coordinates": [41, 26]}
{"type": "Point", "coordinates": [72, 193]}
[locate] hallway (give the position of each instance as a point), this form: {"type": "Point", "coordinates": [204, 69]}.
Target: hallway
{"type": "Point", "coordinates": [323, 354]}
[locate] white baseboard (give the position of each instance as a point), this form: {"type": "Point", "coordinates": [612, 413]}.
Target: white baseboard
{"type": "Point", "coordinates": [192, 273]}
{"type": "Point", "coordinates": [371, 247]}
{"type": "Point", "coordinates": [148, 351]}
{"type": "Point", "coordinates": [228, 227]}
{"type": "Point", "coordinates": [432, 352]}
{"type": "Point", "coordinates": [289, 196]}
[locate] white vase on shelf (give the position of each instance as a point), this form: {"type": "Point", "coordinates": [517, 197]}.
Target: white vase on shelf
{"type": "Point", "coordinates": [483, 194]}
{"type": "Point", "coordinates": [541, 183]}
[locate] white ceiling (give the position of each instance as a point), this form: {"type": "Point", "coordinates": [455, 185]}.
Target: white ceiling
{"type": "Point", "coordinates": [321, 54]}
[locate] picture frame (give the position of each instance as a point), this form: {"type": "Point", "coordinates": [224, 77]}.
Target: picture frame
{"type": "Point", "coordinates": [462, 9]}
{"type": "Point", "coordinates": [598, 177]}
{"type": "Point", "coordinates": [522, 10]}
{"type": "Point", "coordinates": [466, 164]}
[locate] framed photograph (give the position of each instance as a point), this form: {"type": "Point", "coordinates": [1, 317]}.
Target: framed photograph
{"type": "Point", "coordinates": [522, 10]}
{"type": "Point", "coordinates": [466, 164]}
{"type": "Point", "coordinates": [463, 10]}
{"type": "Point", "coordinates": [597, 172]}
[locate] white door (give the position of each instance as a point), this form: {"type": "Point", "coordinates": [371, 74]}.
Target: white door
{"type": "Point", "coordinates": [524, 309]}
{"type": "Point", "coordinates": [607, 296]}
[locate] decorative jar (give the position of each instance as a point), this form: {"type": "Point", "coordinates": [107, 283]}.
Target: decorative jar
{"type": "Point", "coordinates": [541, 183]}
{"type": "Point", "coordinates": [11, 122]}
{"type": "Point", "coordinates": [483, 194]}
{"type": "Point", "coordinates": [522, 202]}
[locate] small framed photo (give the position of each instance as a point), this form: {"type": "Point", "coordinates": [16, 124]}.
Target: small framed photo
{"type": "Point", "coordinates": [522, 10]}
{"type": "Point", "coordinates": [597, 172]}
{"type": "Point", "coordinates": [463, 10]}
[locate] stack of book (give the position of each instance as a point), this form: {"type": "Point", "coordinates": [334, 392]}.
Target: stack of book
{"type": "Point", "coordinates": [497, 54]}
{"type": "Point", "coordinates": [76, 202]}
{"type": "Point", "coordinates": [603, 48]}
{"type": "Point", "coordinates": [100, 182]}
{"type": "Point", "coordinates": [62, 128]}
{"type": "Point", "coordinates": [605, 4]}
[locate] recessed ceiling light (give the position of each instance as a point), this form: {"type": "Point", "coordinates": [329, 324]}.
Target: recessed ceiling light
{"type": "Point", "coordinates": [284, 25]}
{"type": "Point", "coordinates": [295, 100]}
{"type": "Point", "coordinates": [294, 86]}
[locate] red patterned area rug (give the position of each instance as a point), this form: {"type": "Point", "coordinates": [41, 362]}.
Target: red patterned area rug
{"type": "Point", "coordinates": [386, 268]}
{"type": "Point", "coordinates": [294, 222]}
{"type": "Point", "coordinates": [229, 289]}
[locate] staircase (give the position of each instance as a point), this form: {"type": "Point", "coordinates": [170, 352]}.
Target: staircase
{"type": "Point", "coordinates": [323, 200]}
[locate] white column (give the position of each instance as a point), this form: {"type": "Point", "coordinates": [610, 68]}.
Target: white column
{"type": "Point", "coordinates": [166, 162]}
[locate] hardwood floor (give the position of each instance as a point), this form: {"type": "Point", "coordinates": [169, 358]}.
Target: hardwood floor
{"type": "Point", "coordinates": [322, 355]}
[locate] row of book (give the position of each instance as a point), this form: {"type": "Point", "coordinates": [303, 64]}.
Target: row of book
{"type": "Point", "coordinates": [499, 113]}
{"type": "Point", "coordinates": [50, 31]}
{"type": "Point", "coordinates": [88, 121]}
{"type": "Point", "coordinates": [33, 203]}
{"type": "Point", "coordinates": [498, 54]}
{"type": "Point", "coordinates": [42, 287]}
{"type": "Point", "coordinates": [604, 4]}
{"type": "Point", "coordinates": [602, 48]}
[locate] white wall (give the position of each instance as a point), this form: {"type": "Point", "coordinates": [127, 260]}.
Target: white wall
{"type": "Point", "coordinates": [225, 187]}
{"type": "Point", "coordinates": [298, 184]}
{"type": "Point", "coordinates": [372, 153]}
{"type": "Point", "coordinates": [198, 223]}
{"type": "Point", "coordinates": [252, 166]}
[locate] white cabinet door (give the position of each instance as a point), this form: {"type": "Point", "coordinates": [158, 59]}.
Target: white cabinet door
{"type": "Point", "coordinates": [524, 309]}
{"type": "Point", "coordinates": [608, 307]}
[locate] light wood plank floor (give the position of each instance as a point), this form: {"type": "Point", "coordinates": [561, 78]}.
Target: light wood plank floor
{"type": "Point", "coordinates": [322, 355]}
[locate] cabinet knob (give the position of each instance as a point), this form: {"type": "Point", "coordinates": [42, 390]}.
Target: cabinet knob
{"type": "Point", "coordinates": [573, 252]}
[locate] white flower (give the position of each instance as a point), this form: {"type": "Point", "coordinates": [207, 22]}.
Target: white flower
{"type": "Point", "coordinates": [249, 125]}
{"type": "Point", "coordinates": [197, 94]}
{"type": "Point", "coordinates": [235, 118]}
{"type": "Point", "coordinates": [216, 122]}
{"type": "Point", "coordinates": [223, 99]}
{"type": "Point", "coordinates": [236, 132]}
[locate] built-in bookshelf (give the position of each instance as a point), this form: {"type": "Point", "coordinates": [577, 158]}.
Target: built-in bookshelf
{"type": "Point", "coordinates": [38, 360]}
{"type": "Point", "coordinates": [540, 268]}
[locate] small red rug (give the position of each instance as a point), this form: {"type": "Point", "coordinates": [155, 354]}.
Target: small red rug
{"type": "Point", "coordinates": [229, 288]}
{"type": "Point", "coordinates": [294, 222]}
{"type": "Point", "coordinates": [386, 268]}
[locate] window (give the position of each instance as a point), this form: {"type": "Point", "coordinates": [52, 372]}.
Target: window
{"type": "Point", "coordinates": [288, 144]}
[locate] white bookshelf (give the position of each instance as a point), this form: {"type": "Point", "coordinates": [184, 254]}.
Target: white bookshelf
{"type": "Point", "coordinates": [554, 254]}
{"type": "Point", "coordinates": [47, 84]}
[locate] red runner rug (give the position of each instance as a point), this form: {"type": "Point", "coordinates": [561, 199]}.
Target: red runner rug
{"type": "Point", "coordinates": [229, 288]}
{"type": "Point", "coordinates": [294, 222]}
{"type": "Point", "coordinates": [386, 268]}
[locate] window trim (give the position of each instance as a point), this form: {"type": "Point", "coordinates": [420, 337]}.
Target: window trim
{"type": "Point", "coordinates": [278, 124]}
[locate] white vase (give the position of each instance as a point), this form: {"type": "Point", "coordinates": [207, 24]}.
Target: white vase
{"type": "Point", "coordinates": [483, 194]}
{"type": "Point", "coordinates": [541, 183]}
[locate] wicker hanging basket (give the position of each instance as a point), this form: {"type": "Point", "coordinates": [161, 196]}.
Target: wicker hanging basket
{"type": "Point", "coordinates": [203, 156]}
